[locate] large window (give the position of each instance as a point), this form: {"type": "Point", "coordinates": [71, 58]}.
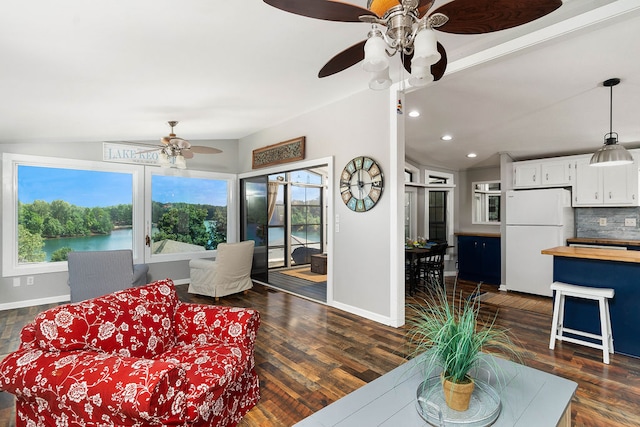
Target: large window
{"type": "Point", "coordinates": [188, 213]}
{"type": "Point", "coordinates": [486, 202]}
{"type": "Point", "coordinates": [53, 206]}
{"type": "Point", "coordinates": [296, 219]}
{"type": "Point", "coordinates": [438, 215]}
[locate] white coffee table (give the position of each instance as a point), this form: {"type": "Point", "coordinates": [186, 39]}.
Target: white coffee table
{"type": "Point", "coordinates": [529, 397]}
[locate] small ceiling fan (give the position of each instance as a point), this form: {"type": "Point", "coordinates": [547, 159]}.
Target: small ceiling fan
{"type": "Point", "coordinates": [174, 150]}
{"type": "Point", "coordinates": [174, 146]}
{"type": "Point", "coordinates": [407, 29]}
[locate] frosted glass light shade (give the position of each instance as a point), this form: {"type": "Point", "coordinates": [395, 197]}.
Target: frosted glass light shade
{"type": "Point", "coordinates": [425, 49]}
{"type": "Point", "coordinates": [375, 55]}
{"type": "Point", "coordinates": [420, 76]}
{"type": "Point", "coordinates": [380, 80]}
{"type": "Point", "coordinates": [181, 163]}
{"type": "Point", "coordinates": [164, 160]}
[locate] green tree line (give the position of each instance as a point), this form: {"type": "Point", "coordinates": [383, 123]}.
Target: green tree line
{"type": "Point", "coordinates": [185, 222]}
{"type": "Point", "coordinates": [40, 219]}
{"type": "Point", "coordinates": [62, 219]}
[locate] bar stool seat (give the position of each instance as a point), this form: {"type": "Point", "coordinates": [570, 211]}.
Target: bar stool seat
{"type": "Point", "coordinates": [602, 295]}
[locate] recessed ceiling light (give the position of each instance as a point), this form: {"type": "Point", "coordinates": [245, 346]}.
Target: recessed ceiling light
{"type": "Point", "coordinates": [414, 113]}
{"type": "Point", "coordinates": [471, 155]}
{"type": "Point", "coordinates": [446, 137]}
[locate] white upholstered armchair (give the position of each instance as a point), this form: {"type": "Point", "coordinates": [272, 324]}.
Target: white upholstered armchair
{"type": "Point", "coordinates": [228, 274]}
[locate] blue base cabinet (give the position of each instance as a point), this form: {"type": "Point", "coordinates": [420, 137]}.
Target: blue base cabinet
{"type": "Point", "coordinates": [624, 278]}
{"type": "Point", "coordinates": [479, 259]}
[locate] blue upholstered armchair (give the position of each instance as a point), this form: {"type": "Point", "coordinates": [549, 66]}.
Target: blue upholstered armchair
{"type": "Point", "coordinates": [97, 273]}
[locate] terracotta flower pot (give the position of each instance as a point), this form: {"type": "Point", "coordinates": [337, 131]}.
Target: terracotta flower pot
{"type": "Point", "coordinates": [457, 396]}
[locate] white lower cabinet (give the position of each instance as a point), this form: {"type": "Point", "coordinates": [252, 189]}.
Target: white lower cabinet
{"type": "Point", "coordinates": [605, 186]}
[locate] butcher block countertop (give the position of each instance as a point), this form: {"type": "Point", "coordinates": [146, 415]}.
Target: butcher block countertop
{"type": "Point", "coordinates": [599, 241]}
{"type": "Point", "coordinates": [469, 233]}
{"type": "Point", "coordinates": [594, 253]}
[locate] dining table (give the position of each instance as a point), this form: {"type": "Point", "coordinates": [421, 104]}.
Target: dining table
{"type": "Point", "coordinates": [413, 256]}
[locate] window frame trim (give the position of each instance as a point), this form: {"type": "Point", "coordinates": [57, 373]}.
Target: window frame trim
{"type": "Point", "coordinates": [10, 163]}
{"type": "Point", "coordinates": [233, 225]}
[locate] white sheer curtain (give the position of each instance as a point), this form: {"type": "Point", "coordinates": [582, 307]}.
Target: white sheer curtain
{"type": "Point", "coordinates": [272, 197]}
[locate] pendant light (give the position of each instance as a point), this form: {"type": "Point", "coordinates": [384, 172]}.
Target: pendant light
{"type": "Point", "coordinates": [611, 153]}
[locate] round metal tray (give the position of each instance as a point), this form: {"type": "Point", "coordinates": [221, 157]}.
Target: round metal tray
{"type": "Point", "coordinates": [484, 406]}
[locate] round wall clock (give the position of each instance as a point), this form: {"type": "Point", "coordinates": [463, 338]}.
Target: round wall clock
{"type": "Point", "coordinates": [361, 184]}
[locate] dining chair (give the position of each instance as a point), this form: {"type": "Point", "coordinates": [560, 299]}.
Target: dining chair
{"type": "Point", "coordinates": [432, 267]}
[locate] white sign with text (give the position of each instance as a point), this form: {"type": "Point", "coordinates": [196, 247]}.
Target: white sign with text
{"type": "Point", "coordinates": [125, 153]}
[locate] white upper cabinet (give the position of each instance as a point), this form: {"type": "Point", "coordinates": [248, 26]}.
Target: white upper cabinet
{"type": "Point", "coordinates": [543, 173]}
{"type": "Point", "coordinates": [605, 186]}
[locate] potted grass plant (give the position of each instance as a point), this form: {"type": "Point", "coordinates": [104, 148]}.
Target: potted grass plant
{"type": "Point", "coordinates": [451, 335]}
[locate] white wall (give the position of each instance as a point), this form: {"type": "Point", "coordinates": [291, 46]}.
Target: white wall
{"type": "Point", "coordinates": [52, 287]}
{"type": "Point", "coordinates": [362, 250]}
{"type": "Point", "coordinates": [367, 255]}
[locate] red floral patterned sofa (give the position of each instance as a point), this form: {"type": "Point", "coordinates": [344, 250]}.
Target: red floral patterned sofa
{"type": "Point", "coordinates": [137, 357]}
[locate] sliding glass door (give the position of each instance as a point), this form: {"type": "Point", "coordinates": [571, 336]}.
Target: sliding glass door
{"type": "Point", "coordinates": [254, 215]}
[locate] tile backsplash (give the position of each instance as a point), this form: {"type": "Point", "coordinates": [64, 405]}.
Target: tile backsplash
{"type": "Point", "coordinates": [588, 223]}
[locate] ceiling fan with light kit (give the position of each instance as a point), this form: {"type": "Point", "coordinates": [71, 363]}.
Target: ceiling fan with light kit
{"type": "Point", "coordinates": [406, 27]}
{"type": "Point", "coordinates": [174, 150]}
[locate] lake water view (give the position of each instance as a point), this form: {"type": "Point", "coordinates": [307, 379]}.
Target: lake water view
{"type": "Point", "coordinates": [276, 237]}
{"type": "Point", "coordinates": [122, 239]}
{"type": "Point", "coordinates": [118, 239]}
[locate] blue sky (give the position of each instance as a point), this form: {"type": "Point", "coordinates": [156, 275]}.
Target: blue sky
{"type": "Point", "coordinates": [191, 190]}
{"type": "Point", "coordinates": [94, 188]}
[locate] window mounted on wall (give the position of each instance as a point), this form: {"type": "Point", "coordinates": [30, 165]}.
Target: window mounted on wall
{"type": "Point", "coordinates": [52, 206]}
{"type": "Point", "coordinates": [189, 214]}
{"type": "Point", "coordinates": [59, 205]}
{"type": "Point", "coordinates": [486, 202]}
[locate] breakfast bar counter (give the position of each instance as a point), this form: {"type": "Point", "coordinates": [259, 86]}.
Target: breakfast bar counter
{"type": "Point", "coordinates": [594, 253]}
{"type": "Point", "coordinates": [602, 268]}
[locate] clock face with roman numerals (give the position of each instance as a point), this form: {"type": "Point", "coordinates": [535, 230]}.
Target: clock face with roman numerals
{"type": "Point", "coordinates": [361, 184]}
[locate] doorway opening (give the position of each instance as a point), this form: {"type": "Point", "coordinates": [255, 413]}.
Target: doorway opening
{"type": "Point", "coordinates": [285, 213]}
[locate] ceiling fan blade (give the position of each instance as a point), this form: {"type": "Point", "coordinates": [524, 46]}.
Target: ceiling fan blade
{"type": "Point", "coordinates": [150, 150]}
{"type": "Point", "coordinates": [345, 59]}
{"type": "Point", "coordinates": [186, 153]}
{"type": "Point", "coordinates": [406, 62]}
{"type": "Point", "coordinates": [322, 9]}
{"type": "Point", "coordinates": [201, 149]}
{"type": "Point", "coordinates": [424, 6]}
{"type": "Point", "coordinates": [486, 16]}
{"type": "Point", "coordinates": [437, 69]}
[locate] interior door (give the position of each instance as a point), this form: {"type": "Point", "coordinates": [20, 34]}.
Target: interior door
{"type": "Point", "coordinates": [253, 223]}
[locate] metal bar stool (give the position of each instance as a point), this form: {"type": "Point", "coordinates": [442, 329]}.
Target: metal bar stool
{"type": "Point", "coordinates": [602, 295]}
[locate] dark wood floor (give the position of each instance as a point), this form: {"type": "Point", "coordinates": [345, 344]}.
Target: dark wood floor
{"type": "Point", "coordinates": [316, 291]}
{"type": "Point", "coordinates": [309, 355]}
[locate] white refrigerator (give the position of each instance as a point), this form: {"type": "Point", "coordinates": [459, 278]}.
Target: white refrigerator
{"type": "Point", "coordinates": [535, 220]}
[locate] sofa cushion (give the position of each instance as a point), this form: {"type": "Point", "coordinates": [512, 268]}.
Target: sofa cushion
{"type": "Point", "coordinates": [209, 369]}
{"type": "Point", "coordinates": [85, 388]}
{"type": "Point", "coordinates": [135, 322]}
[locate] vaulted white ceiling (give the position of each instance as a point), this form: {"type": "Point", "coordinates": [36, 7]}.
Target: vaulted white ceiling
{"type": "Point", "coordinates": [117, 70]}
